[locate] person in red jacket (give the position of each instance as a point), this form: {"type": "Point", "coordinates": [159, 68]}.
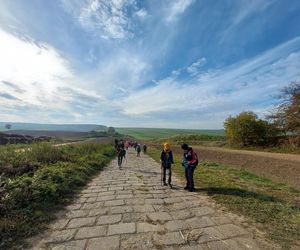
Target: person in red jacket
{"type": "Point", "coordinates": [189, 162]}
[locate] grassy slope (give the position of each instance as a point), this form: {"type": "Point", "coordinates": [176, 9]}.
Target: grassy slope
{"type": "Point", "coordinates": [273, 206]}
{"type": "Point", "coordinates": [37, 181]}
{"type": "Point", "coordinates": [157, 133]}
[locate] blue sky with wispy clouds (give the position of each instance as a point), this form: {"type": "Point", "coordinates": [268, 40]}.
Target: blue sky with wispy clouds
{"type": "Point", "coordinates": [158, 63]}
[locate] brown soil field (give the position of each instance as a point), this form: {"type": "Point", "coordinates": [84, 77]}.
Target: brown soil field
{"type": "Point", "coordinates": [283, 168]}
{"type": "Point", "coordinates": [53, 134]}
{"type": "Point", "coordinates": [278, 167]}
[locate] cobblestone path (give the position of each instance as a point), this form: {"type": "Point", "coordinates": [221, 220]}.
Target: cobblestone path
{"type": "Point", "coordinates": [129, 209]}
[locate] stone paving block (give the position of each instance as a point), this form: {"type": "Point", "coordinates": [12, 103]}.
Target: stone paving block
{"type": "Point", "coordinates": [90, 232]}
{"type": "Point", "coordinates": [181, 214]}
{"type": "Point", "coordinates": [199, 222]}
{"type": "Point", "coordinates": [194, 247]}
{"type": "Point", "coordinates": [94, 205]}
{"type": "Point", "coordinates": [125, 196]}
{"type": "Point", "coordinates": [91, 200]}
{"type": "Point", "coordinates": [173, 238]}
{"type": "Point", "coordinates": [135, 201]}
{"type": "Point", "coordinates": [99, 211]}
{"type": "Point", "coordinates": [80, 222]}
{"type": "Point", "coordinates": [141, 241]}
{"type": "Point", "coordinates": [70, 245]}
{"type": "Point", "coordinates": [226, 245]}
{"type": "Point", "coordinates": [144, 196]}
{"type": "Point", "coordinates": [106, 198]}
{"type": "Point", "coordinates": [208, 234]}
{"type": "Point", "coordinates": [121, 228]}
{"type": "Point", "coordinates": [201, 211]}
{"type": "Point", "coordinates": [106, 193]}
{"type": "Point", "coordinates": [63, 235]}
{"type": "Point", "coordinates": [59, 224]}
{"type": "Point", "coordinates": [115, 188]}
{"type": "Point", "coordinates": [104, 243]}
{"type": "Point", "coordinates": [109, 219]}
{"type": "Point", "coordinates": [114, 203]}
{"type": "Point", "coordinates": [120, 192]}
{"type": "Point", "coordinates": [230, 230]}
{"type": "Point", "coordinates": [154, 201]}
{"type": "Point", "coordinates": [74, 206]}
{"type": "Point", "coordinates": [89, 195]}
{"type": "Point", "coordinates": [121, 210]}
{"type": "Point", "coordinates": [143, 209]}
{"type": "Point", "coordinates": [178, 206]}
{"type": "Point", "coordinates": [219, 220]}
{"type": "Point", "coordinates": [172, 200]}
{"type": "Point", "coordinates": [147, 227]}
{"type": "Point", "coordinates": [176, 225]}
{"type": "Point", "coordinates": [159, 217]}
{"type": "Point", "coordinates": [77, 213]}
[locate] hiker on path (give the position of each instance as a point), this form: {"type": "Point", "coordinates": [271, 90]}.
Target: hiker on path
{"type": "Point", "coordinates": [145, 148]}
{"type": "Point", "coordinates": [189, 162]}
{"type": "Point", "coordinates": [166, 159]}
{"type": "Point", "coordinates": [138, 150]}
{"type": "Point", "coordinates": [121, 152]}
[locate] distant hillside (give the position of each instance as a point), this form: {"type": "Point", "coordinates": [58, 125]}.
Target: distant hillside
{"type": "Point", "coordinates": [158, 133]}
{"type": "Point", "coordinates": [53, 127]}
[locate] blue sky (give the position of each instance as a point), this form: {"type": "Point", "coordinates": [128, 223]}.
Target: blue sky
{"type": "Point", "coordinates": [158, 63]}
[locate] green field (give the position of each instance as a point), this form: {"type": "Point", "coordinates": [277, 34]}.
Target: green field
{"type": "Point", "coordinates": [158, 133]}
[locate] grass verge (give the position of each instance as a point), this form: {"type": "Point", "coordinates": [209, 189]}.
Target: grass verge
{"type": "Point", "coordinates": [274, 207]}
{"type": "Point", "coordinates": [35, 183]}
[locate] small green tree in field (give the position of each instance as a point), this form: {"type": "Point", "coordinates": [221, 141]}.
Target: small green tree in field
{"type": "Point", "coordinates": [246, 129]}
{"type": "Point", "coordinates": [111, 130]}
{"type": "Point", "coordinates": [8, 126]}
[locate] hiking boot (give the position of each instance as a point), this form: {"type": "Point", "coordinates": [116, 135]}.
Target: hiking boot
{"type": "Point", "coordinates": [192, 189]}
{"type": "Point", "coordinates": [186, 187]}
{"type": "Point", "coordinates": [165, 184]}
{"type": "Point", "coordinates": [170, 185]}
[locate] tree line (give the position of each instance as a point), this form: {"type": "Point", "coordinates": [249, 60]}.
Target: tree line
{"type": "Point", "coordinates": [281, 126]}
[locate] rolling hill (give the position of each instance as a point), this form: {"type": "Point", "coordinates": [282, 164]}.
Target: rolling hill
{"type": "Point", "coordinates": [53, 127]}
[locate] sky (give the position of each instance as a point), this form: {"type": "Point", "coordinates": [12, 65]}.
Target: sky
{"type": "Point", "coordinates": [155, 63]}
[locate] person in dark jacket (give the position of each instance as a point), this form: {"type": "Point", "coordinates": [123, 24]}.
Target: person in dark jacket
{"type": "Point", "coordinates": [166, 158]}
{"type": "Point", "coordinates": [145, 148]}
{"type": "Point", "coordinates": [121, 152]}
{"type": "Point", "coordinates": [189, 162]}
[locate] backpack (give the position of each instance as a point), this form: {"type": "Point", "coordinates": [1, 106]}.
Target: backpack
{"type": "Point", "coordinates": [195, 156]}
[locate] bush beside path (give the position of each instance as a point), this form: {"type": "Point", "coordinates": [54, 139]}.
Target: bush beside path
{"type": "Point", "coordinates": [129, 209]}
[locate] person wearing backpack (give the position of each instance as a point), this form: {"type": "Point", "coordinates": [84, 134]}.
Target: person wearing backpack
{"type": "Point", "coordinates": [189, 162]}
{"type": "Point", "coordinates": [166, 159]}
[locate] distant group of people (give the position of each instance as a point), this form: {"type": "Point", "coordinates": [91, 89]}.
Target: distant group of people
{"type": "Point", "coordinates": [189, 160]}
{"type": "Point", "coordinates": [122, 146]}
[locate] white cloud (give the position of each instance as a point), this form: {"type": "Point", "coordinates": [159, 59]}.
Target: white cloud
{"type": "Point", "coordinates": [38, 68]}
{"type": "Point", "coordinates": [31, 77]}
{"type": "Point", "coordinates": [123, 70]}
{"type": "Point", "coordinates": [176, 8]}
{"type": "Point", "coordinates": [244, 10]}
{"type": "Point", "coordinates": [142, 13]}
{"type": "Point", "coordinates": [194, 68]}
{"type": "Point", "coordinates": [108, 18]}
{"type": "Point", "coordinates": [242, 86]}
